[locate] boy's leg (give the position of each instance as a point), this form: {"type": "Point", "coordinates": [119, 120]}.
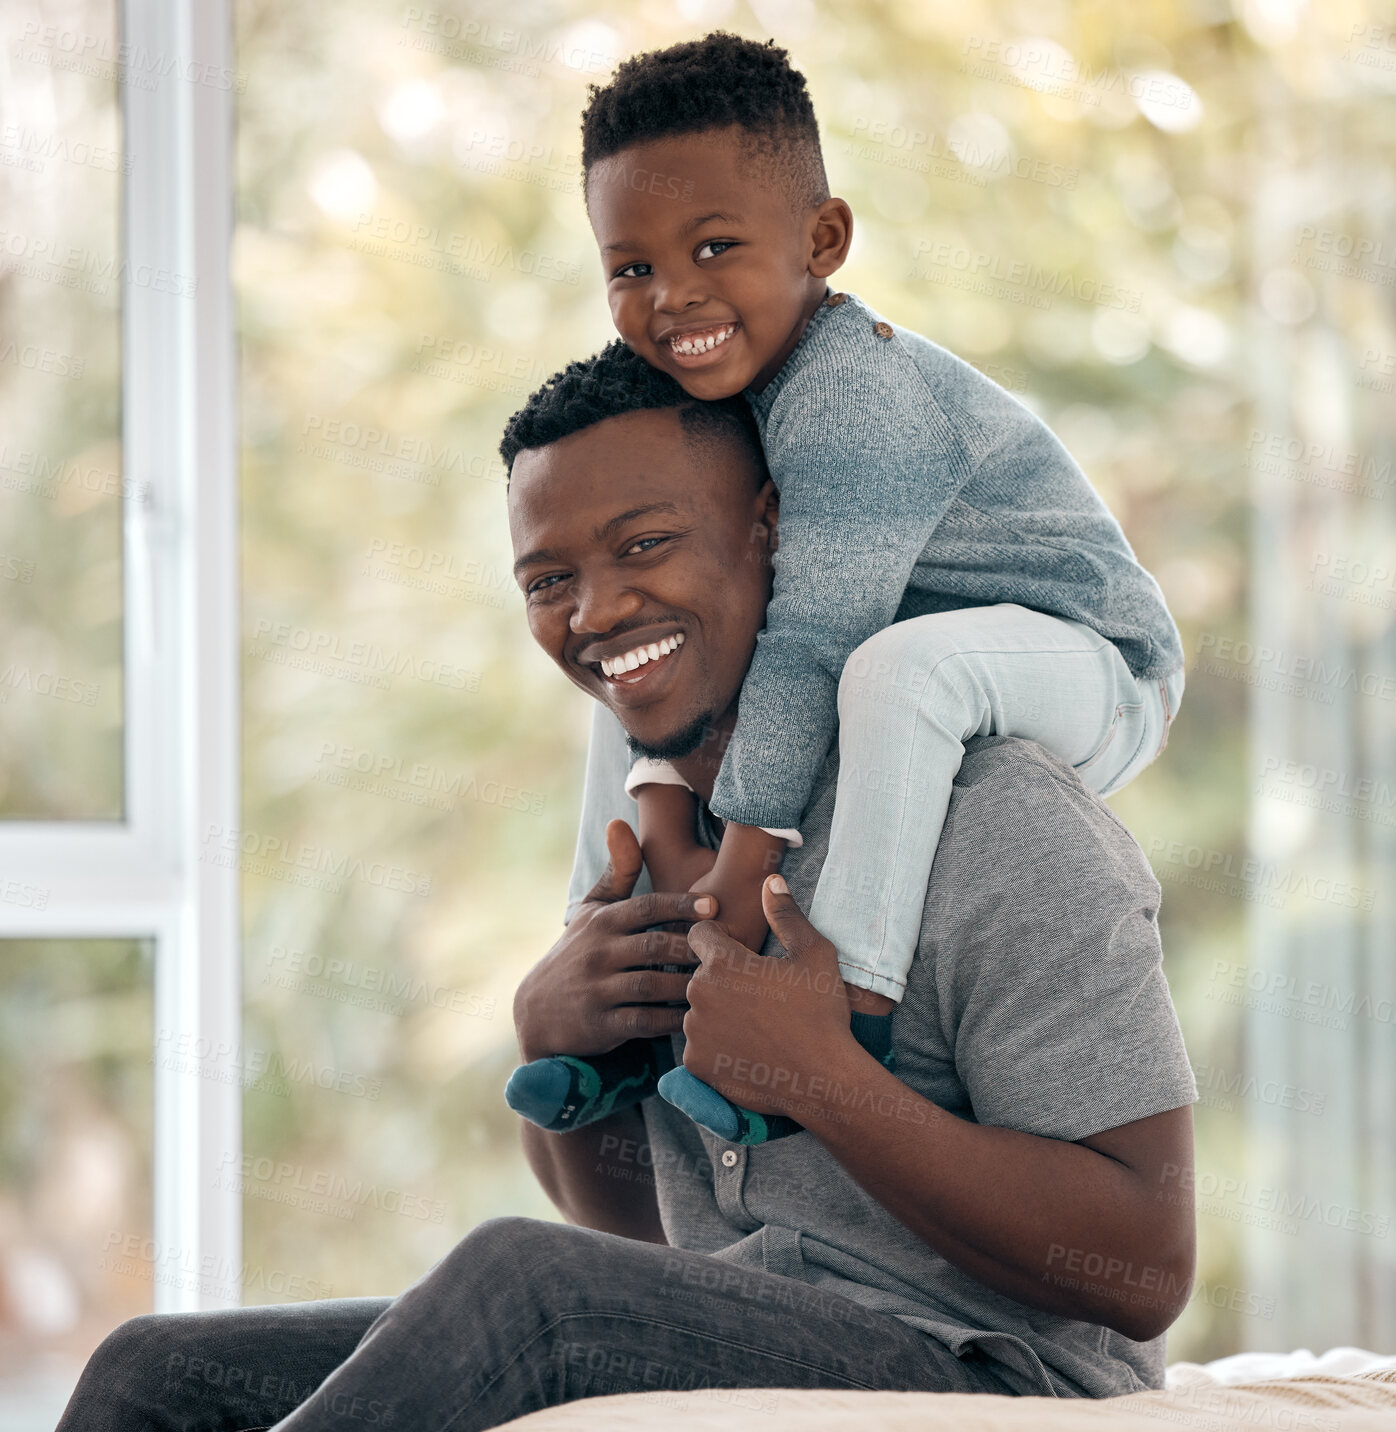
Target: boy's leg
{"type": "Point", "coordinates": [909, 698]}
{"type": "Point", "coordinates": [524, 1315]}
{"type": "Point", "coordinates": [216, 1371]}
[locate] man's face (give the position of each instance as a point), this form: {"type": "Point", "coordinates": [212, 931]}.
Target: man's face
{"type": "Point", "coordinates": [627, 537]}
{"type": "Point", "coordinates": [700, 250]}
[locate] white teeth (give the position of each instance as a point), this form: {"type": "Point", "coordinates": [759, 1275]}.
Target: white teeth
{"type": "Point", "coordinates": [691, 346]}
{"type": "Point", "coordinates": [641, 656]}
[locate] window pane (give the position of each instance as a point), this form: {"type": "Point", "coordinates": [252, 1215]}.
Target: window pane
{"type": "Point", "coordinates": [76, 1150]}
{"type": "Point", "coordinates": [61, 480]}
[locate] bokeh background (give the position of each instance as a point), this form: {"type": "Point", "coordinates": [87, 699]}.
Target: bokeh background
{"type": "Point", "coordinates": [1147, 221]}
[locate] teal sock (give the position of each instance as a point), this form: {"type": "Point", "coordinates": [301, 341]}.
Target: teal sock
{"type": "Point", "coordinates": [874, 1033]}
{"type": "Point", "coordinates": [568, 1092]}
{"type": "Point", "coordinates": [720, 1116]}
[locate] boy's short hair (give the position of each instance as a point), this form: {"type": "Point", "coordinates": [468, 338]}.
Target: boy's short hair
{"type": "Point", "coordinates": [712, 83]}
{"type": "Point", "coordinates": [614, 381]}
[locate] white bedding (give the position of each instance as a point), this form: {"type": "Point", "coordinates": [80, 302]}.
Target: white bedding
{"type": "Point", "coordinates": [1266, 1366]}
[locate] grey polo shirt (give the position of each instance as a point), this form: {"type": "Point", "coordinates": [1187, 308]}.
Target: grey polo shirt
{"type": "Point", "coordinates": [1036, 1001]}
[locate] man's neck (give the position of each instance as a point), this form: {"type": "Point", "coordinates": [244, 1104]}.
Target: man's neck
{"type": "Point", "coordinates": [699, 768]}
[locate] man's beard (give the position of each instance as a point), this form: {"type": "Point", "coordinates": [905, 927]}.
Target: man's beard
{"type": "Point", "coordinates": [682, 743]}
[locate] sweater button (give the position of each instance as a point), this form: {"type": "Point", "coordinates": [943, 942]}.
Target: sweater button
{"type": "Point", "coordinates": [729, 1158]}
{"type": "Point", "coordinates": [883, 330]}
{"type": "Point", "coordinates": [835, 299]}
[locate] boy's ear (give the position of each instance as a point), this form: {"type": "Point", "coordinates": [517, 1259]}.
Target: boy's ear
{"type": "Point", "coordinates": [831, 232]}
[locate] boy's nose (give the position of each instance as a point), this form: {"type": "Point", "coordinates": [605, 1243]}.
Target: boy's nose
{"type": "Point", "coordinates": [675, 292]}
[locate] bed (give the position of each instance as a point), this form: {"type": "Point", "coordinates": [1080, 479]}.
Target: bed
{"type": "Point", "coordinates": [1344, 1390]}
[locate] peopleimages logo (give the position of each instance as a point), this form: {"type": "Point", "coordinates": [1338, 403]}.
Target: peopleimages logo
{"type": "Point", "coordinates": [1260, 664]}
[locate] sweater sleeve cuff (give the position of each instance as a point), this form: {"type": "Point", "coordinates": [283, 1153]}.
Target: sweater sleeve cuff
{"type": "Point", "coordinates": [652, 773]}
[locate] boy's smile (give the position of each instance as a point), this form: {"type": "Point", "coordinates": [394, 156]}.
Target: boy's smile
{"type": "Point", "coordinates": [711, 270]}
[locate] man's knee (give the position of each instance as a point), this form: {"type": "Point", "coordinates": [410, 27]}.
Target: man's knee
{"type": "Point", "coordinates": [149, 1346]}
{"type": "Point", "coordinates": [509, 1258]}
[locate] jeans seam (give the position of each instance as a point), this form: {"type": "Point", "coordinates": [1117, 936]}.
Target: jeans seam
{"type": "Point", "coordinates": [651, 1322]}
{"type": "Point", "coordinates": [1110, 736]}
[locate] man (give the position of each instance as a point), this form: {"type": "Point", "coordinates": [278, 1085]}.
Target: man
{"type": "Point", "coordinates": [1008, 1212]}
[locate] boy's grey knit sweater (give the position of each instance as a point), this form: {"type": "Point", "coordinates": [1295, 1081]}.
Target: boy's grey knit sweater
{"type": "Point", "coordinates": [909, 483]}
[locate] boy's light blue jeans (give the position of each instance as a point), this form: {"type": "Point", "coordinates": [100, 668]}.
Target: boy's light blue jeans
{"type": "Point", "coordinates": [910, 697]}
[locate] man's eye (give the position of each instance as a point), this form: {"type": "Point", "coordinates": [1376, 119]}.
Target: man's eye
{"type": "Point", "coordinates": [719, 244]}
{"type": "Point", "coordinates": [626, 271]}
{"type": "Point", "coordinates": [543, 583]}
{"type": "Point", "coordinates": [643, 544]}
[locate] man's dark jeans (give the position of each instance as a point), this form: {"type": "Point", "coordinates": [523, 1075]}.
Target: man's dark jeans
{"type": "Point", "coordinates": [520, 1315]}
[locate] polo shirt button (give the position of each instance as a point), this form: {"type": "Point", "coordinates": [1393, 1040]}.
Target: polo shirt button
{"type": "Point", "coordinates": [883, 330]}
{"type": "Point", "coordinates": [729, 1157]}
{"type": "Point", "coordinates": [835, 299]}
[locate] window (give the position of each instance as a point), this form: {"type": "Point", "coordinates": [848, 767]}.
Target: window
{"type": "Point", "coordinates": [121, 521]}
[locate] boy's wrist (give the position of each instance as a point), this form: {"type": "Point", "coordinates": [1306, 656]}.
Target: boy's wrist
{"type": "Point", "coordinates": [748, 847]}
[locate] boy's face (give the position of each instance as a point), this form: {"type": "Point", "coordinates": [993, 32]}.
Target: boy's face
{"type": "Point", "coordinates": [710, 271]}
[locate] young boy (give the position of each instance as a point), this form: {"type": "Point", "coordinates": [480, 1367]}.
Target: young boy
{"type": "Point", "coordinates": [944, 570]}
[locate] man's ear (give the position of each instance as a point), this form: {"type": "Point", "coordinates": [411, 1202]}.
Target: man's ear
{"type": "Point", "coordinates": [765, 520]}
{"type": "Point", "coordinates": [830, 234]}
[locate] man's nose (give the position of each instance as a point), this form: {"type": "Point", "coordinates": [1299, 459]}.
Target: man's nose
{"type": "Point", "coordinates": [603, 604]}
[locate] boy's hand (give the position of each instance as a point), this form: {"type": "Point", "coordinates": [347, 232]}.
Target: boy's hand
{"type": "Point", "coordinates": [748, 855]}
{"type": "Point", "coordinates": [739, 899]}
{"type": "Point", "coordinates": [680, 869]}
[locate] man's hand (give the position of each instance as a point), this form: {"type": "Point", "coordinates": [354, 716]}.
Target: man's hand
{"type": "Point", "coordinates": [592, 990]}
{"type": "Point", "coordinates": [760, 1029]}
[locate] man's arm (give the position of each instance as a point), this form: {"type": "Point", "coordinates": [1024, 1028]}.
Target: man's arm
{"type": "Point", "coordinates": [588, 994]}
{"type": "Point", "coordinates": [1099, 1229]}
{"type": "Point", "coordinates": [590, 1174]}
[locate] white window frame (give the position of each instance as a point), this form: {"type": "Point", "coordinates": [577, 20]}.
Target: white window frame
{"type": "Point", "coordinates": [151, 876]}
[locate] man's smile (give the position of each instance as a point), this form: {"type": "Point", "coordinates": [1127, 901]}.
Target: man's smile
{"type": "Point", "coordinates": [625, 667]}
{"type": "Point", "coordinates": [634, 666]}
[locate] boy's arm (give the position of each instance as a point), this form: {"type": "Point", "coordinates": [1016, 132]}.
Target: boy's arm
{"type": "Point", "coordinates": [667, 819]}
{"type": "Point", "coordinates": [866, 465]}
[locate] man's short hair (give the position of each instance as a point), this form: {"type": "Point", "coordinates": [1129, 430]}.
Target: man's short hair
{"type": "Point", "coordinates": [712, 83]}
{"type": "Point", "coordinates": [614, 381]}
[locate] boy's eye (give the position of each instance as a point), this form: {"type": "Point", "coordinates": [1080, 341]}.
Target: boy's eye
{"type": "Point", "coordinates": [626, 272]}
{"type": "Point", "coordinates": [719, 244]}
